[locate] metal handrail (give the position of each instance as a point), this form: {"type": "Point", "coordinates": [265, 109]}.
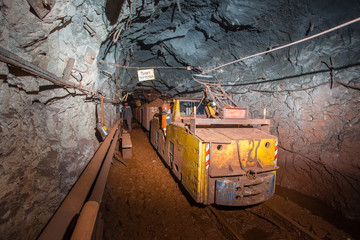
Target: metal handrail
{"type": "Point", "coordinates": [86, 222]}
{"type": "Point", "coordinates": [87, 184]}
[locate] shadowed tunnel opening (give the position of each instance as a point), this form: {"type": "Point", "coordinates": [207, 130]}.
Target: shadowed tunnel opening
{"type": "Point", "coordinates": [113, 10]}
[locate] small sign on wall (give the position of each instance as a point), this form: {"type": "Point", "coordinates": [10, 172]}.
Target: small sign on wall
{"type": "Point", "coordinates": [146, 74]}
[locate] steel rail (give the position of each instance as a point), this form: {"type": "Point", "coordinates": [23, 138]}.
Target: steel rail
{"type": "Point", "coordinates": [74, 201]}
{"type": "Point", "coordinates": [224, 223]}
{"type": "Point", "coordinates": [309, 234]}
{"type": "Point", "coordinates": [285, 219]}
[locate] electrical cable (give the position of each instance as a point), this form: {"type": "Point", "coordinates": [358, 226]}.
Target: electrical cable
{"type": "Point", "coordinates": [348, 86]}
{"type": "Point", "coordinates": [85, 71]}
{"type": "Point", "coordinates": [117, 34]}
{"type": "Point", "coordinates": [164, 67]}
{"type": "Point", "coordinates": [286, 45]}
{"type": "Point", "coordinates": [289, 90]}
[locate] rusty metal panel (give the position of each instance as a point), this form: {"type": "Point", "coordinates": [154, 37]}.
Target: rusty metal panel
{"type": "Point", "coordinates": [228, 134]}
{"type": "Point", "coordinates": [213, 121]}
{"type": "Point", "coordinates": [154, 134]}
{"type": "Point", "coordinates": [233, 113]}
{"type": "Point", "coordinates": [150, 110]}
{"type": "Point", "coordinates": [241, 191]}
{"type": "Point", "coordinates": [224, 160]}
{"type": "Point", "coordinates": [142, 113]}
{"type": "Point", "coordinates": [158, 140]}
{"type": "Point", "coordinates": [149, 113]}
{"type": "Point", "coordinates": [242, 155]}
{"type": "Point", "coordinates": [42, 7]}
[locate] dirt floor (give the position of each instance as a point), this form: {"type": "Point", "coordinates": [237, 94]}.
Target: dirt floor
{"type": "Point", "coordinates": [142, 200]}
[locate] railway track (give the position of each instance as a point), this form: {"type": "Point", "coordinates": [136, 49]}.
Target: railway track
{"type": "Point", "coordinates": [258, 222]}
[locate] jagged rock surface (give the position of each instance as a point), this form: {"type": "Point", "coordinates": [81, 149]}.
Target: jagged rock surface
{"type": "Point", "coordinates": [47, 134]}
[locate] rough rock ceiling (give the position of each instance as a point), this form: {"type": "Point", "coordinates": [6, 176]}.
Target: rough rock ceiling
{"type": "Point", "coordinates": [205, 34]}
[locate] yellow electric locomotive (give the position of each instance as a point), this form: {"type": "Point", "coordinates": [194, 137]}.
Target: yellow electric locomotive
{"type": "Point", "coordinates": [223, 158]}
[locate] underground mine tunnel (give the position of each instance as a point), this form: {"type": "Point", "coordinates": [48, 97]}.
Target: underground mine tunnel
{"type": "Point", "coordinates": [281, 72]}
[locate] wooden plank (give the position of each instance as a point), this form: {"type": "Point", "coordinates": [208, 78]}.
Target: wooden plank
{"type": "Point", "coordinates": [68, 69]}
{"type": "Point", "coordinates": [127, 153]}
{"type": "Point", "coordinates": [126, 141]}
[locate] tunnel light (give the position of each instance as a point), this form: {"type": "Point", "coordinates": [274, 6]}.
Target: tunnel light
{"type": "Point", "coordinates": [204, 76]}
{"type": "Point", "coordinates": [264, 113]}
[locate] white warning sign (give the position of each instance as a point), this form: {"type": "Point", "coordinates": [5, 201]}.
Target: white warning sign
{"type": "Point", "coordinates": [146, 74]}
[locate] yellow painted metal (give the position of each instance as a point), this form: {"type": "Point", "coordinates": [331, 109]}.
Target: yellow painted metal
{"type": "Point", "coordinates": [203, 174]}
{"type": "Point", "coordinates": [212, 111]}
{"type": "Point", "coordinates": [261, 150]}
{"type": "Point", "coordinates": [226, 158]}
{"type": "Point", "coordinates": [176, 111]}
{"type": "Point", "coordinates": [192, 160]}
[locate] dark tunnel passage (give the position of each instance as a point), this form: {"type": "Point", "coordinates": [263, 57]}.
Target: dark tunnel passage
{"type": "Point", "coordinates": [258, 92]}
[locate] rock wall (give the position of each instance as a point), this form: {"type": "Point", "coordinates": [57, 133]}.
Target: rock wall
{"type": "Point", "coordinates": [47, 133]}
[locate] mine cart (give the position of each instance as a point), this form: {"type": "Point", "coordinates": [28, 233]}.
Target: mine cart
{"type": "Point", "coordinates": [227, 159]}
{"type": "Point", "coordinates": [149, 110]}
